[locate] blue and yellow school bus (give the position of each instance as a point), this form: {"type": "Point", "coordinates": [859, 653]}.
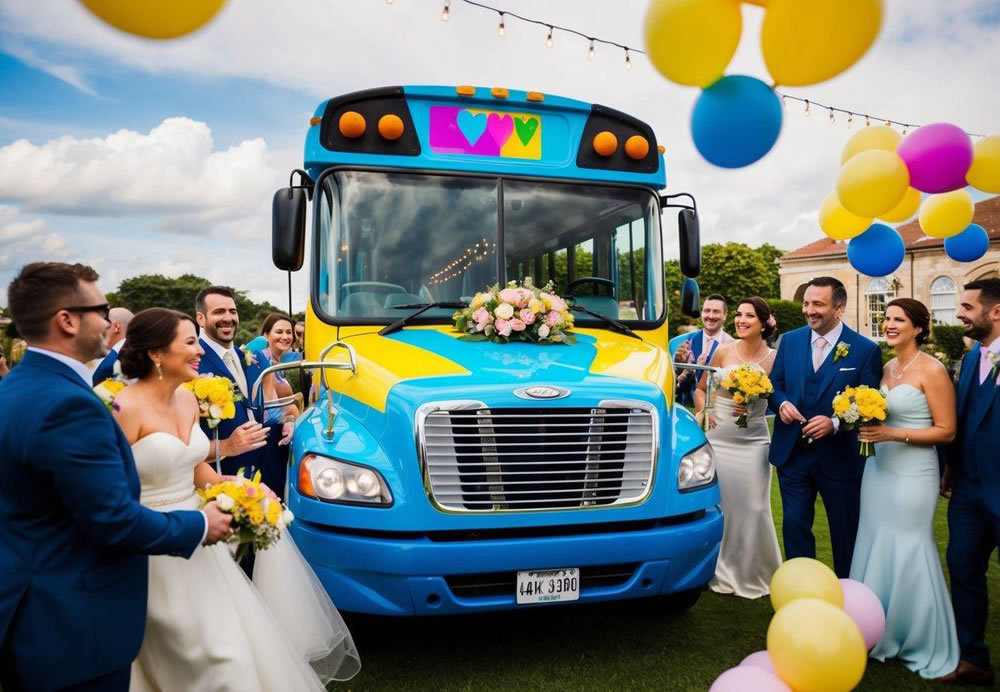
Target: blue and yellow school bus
{"type": "Point", "coordinates": [433, 474]}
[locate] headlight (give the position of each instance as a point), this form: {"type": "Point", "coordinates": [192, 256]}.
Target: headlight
{"type": "Point", "coordinates": [332, 480]}
{"type": "Point", "coordinates": [697, 468]}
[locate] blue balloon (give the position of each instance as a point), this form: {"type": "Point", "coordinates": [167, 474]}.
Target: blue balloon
{"type": "Point", "coordinates": [736, 121]}
{"type": "Point", "coordinates": [258, 343]}
{"type": "Point", "coordinates": [969, 245]}
{"type": "Point", "coordinates": [877, 252]}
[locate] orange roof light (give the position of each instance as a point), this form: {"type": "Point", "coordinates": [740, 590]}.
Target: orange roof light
{"type": "Point", "coordinates": [352, 124]}
{"type": "Point", "coordinates": [662, 149]}
{"type": "Point", "coordinates": [499, 93]}
{"type": "Point", "coordinates": [535, 96]}
{"type": "Point", "coordinates": [390, 127]}
{"type": "Point", "coordinates": [313, 121]}
{"type": "Point", "coordinates": [465, 90]}
{"type": "Point", "coordinates": [605, 143]}
{"type": "Point", "coordinates": [637, 147]}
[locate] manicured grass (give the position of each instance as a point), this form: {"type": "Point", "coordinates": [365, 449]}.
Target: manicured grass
{"type": "Point", "coordinates": [607, 647]}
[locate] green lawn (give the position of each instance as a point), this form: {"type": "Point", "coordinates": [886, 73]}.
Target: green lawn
{"type": "Point", "coordinates": [607, 647]}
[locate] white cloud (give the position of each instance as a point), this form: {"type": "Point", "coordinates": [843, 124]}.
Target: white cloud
{"type": "Point", "coordinates": [26, 240]}
{"type": "Point", "coordinates": [65, 73]}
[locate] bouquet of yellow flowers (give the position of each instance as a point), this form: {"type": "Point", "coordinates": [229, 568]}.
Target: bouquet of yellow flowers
{"type": "Point", "coordinates": [108, 390]}
{"type": "Point", "coordinates": [747, 383]}
{"type": "Point", "coordinates": [217, 397]}
{"type": "Point", "coordinates": [258, 517]}
{"type": "Point", "coordinates": [861, 406]}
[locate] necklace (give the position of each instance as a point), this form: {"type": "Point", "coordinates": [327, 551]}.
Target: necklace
{"type": "Point", "coordinates": [897, 373]}
{"type": "Point", "coordinates": [749, 362]}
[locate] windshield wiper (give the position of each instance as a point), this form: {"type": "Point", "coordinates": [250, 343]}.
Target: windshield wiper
{"type": "Point", "coordinates": [423, 307]}
{"type": "Point", "coordinates": [615, 325]}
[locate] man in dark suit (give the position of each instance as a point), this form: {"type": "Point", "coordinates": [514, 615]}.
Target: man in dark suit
{"type": "Point", "coordinates": [219, 319]}
{"type": "Point", "coordinates": [699, 346]}
{"type": "Point", "coordinates": [73, 566]}
{"type": "Point", "coordinates": [973, 475]}
{"type": "Point", "coordinates": [119, 317]}
{"type": "Point", "coordinates": [811, 454]}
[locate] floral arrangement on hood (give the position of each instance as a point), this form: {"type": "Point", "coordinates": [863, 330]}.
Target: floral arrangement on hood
{"type": "Point", "coordinates": [517, 313]}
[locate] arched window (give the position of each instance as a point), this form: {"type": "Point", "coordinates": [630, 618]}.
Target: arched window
{"type": "Point", "coordinates": [944, 296]}
{"type": "Point", "coordinates": [878, 292]}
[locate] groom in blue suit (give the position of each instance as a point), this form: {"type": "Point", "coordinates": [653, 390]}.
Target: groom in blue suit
{"type": "Point", "coordinates": [973, 473]}
{"type": "Point", "coordinates": [811, 454]}
{"type": "Point", "coordinates": [73, 566]}
{"type": "Point", "coordinates": [240, 438]}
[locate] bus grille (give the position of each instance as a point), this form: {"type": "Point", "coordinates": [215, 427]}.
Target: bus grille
{"type": "Point", "coordinates": [480, 459]}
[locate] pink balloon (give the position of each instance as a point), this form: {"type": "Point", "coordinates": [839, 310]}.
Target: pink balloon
{"type": "Point", "coordinates": [748, 679]}
{"type": "Point", "coordinates": [938, 156]}
{"type": "Point", "coordinates": [865, 608]}
{"type": "Point", "coordinates": [759, 659]}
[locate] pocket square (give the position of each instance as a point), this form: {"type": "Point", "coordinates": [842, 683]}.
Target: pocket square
{"type": "Point", "coordinates": [847, 369]}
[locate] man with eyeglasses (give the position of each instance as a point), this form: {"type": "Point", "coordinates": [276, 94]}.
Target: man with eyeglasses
{"type": "Point", "coordinates": [73, 565]}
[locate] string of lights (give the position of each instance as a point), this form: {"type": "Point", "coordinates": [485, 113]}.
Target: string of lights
{"type": "Point", "coordinates": [551, 29]}
{"type": "Point", "coordinates": [456, 267]}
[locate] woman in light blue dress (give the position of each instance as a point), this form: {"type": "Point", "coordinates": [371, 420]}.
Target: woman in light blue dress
{"type": "Point", "coordinates": [895, 553]}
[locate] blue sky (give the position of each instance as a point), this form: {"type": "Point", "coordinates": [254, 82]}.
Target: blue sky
{"type": "Point", "coordinates": [141, 156]}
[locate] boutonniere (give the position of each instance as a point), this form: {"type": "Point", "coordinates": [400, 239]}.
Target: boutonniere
{"type": "Point", "coordinates": [249, 357]}
{"type": "Point", "coordinates": [995, 370]}
{"type": "Point", "coordinates": [107, 390]}
{"type": "Point", "coordinates": [841, 351]}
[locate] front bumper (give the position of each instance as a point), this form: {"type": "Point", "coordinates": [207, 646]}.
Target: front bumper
{"type": "Point", "coordinates": [404, 574]}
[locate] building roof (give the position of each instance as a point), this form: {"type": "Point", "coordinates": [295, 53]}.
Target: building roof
{"type": "Point", "coordinates": [987, 215]}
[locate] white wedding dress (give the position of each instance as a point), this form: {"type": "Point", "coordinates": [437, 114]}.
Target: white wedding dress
{"type": "Point", "coordinates": [207, 626]}
{"type": "Point", "coordinates": [750, 554]}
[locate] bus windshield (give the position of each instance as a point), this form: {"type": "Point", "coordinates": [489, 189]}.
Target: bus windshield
{"type": "Point", "coordinates": [391, 239]}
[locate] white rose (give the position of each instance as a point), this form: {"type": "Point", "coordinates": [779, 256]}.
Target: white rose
{"type": "Point", "coordinates": [286, 518]}
{"type": "Point", "coordinates": [105, 395]}
{"type": "Point", "coordinates": [224, 502]}
{"type": "Point", "coordinates": [543, 331]}
{"type": "Point", "coordinates": [504, 311]}
{"type": "Point", "coordinates": [215, 411]}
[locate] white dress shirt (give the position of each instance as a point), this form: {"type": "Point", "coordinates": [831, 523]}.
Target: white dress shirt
{"type": "Point", "coordinates": [720, 338]}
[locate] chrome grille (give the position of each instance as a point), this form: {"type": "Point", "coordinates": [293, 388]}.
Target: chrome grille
{"type": "Point", "coordinates": [481, 459]}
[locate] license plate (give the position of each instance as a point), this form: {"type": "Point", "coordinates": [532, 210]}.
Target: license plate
{"type": "Point", "coordinates": [548, 585]}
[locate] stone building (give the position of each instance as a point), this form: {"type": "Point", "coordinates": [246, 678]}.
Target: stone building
{"type": "Point", "coordinates": [926, 274]}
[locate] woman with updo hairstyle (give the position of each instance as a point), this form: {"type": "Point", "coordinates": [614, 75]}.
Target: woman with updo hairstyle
{"type": "Point", "coordinates": [749, 555]}
{"type": "Point", "coordinates": [153, 330]}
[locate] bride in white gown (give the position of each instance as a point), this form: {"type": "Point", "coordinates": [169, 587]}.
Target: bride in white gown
{"type": "Point", "coordinates": [207, 626]}
{"type": "Point", "coordinates": [750, 554]}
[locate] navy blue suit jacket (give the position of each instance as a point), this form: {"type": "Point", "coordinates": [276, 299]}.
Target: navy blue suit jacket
{"type": "Point", "coordinates": [211, 364]}
{"type": "Point", "coordinates": [792, 367]}
{"type": "Point", "coordinates": [986, 428]}
{"type": "Point", "coordinates": [73, 566]}
{"type": "Point", "coordinates": [685, 390]}
{"type": "Point", "coordinates": [106, 368]}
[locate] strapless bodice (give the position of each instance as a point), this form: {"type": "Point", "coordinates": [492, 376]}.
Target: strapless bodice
{"type": "Point", "coordinates": [166, 467]}
{"type": "Point", "coordinates": [908, 407]}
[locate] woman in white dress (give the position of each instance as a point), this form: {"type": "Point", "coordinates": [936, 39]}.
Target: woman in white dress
{"type": "Point", "coordinates": [207, 626]}
{"type": "Point", "coordinates": [750, 554]}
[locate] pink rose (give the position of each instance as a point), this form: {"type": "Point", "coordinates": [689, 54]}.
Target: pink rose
{"type": "Point", "coordinates": [527, 316]}
{"type": "Point", "coordinates": [557, 303]}
{"type": "Point", "coordinates": [509, 295]}
{"type": "Point", "coordinates": [482, 318]}
{"type": "Point", "coordinates": [517, 325]}
{"type": "Point", "coordinates": [503, 327]}
{"type": "Point", "coordinates": [543, 331]}
{"type": "Point", "coordinates": [553, 318]}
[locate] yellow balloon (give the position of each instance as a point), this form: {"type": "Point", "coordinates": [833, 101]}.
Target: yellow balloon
{"type": "Point", "coordinates": [158, 19]}
{"type": "Point", "coordinates": [947, 214]}
{"type": "Point", "coordinates": [906, 208]}
{"type": "Point", "coordinates": [805, 42]}
{"type": "Point", "coordinates": [803, 577]}
{"type": "Point", "coordinates": [985, 172]}
{"type": "Point", "coordinates": [692, 41]}
{"type": "Point", "coordinates": [816, 647]}
{"type": "Point", "coordinates": [881, 137]}
{"type": "Point", "coordinates": [873, 182]}
{"type": "Point", "coordinates": [837, 222]}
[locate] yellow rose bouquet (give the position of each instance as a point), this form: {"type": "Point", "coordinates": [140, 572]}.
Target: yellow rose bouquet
{"type": "Point", "coordinates": [258, 516]}
{"type": "Point", "coordinates": [858, 407]}
{"type": "Point", "coordinates": [747, 383]}
{"type": "Point", "coordinates": [217, 397]}
{"type": "Point", "coordinates": [108, 390]}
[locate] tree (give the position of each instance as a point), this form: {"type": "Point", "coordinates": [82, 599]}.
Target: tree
{"type": "Point", "coordinates": [769, 255]}
{"type": "Point", "coordinates": [674, 279]}
{"type": "Point", "coordinates": [734, 270]}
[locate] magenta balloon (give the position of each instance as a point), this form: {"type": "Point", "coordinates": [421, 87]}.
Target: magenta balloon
{"type": "Point", "coordinates": [748, 679]}
{"type": "Point", "coordinates": [865, 608]}
{"type": "Point", "coordinates": [938, 156]}
{"type": "Point", "coordinates": [759, 659]}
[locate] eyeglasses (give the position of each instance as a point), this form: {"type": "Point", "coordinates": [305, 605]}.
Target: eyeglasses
{"type": "Point", "coordinates": [103, 309]}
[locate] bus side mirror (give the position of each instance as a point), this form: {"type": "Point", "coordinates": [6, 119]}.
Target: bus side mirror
{"type": "Point", "coordinates": [690, 242]}
{"type": "Point", "coordinates": [690, 298]}
{"type": "Point", "coordinates": [288, 228]}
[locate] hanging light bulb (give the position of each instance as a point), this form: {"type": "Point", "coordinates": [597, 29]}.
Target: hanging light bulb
{"type": "Point", "coordinates": [590, 51]}
{"type": "Point", "coordinates": [500, 26]}
{"type": "Point", "coordinates": [446, 12]}
{"type": "Point", "coordinates": [850, 120]}
{"type": "Point", "coordinates": [548, 38]}
{"type": "Point", "coordinates": [832, 118]}
{"type": "Point", "coordinates": [807, 108]}
{"type": "Point", "coordinates": [628, 60]}
{"type": "Point", "coordinates": [905, 128]}
{"type": "Point", "coordinates": [388, 2]}
{"type": "Point", "coordinates": [868, 121]}
{"type": "Point", "coordinates": [783, 104]}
